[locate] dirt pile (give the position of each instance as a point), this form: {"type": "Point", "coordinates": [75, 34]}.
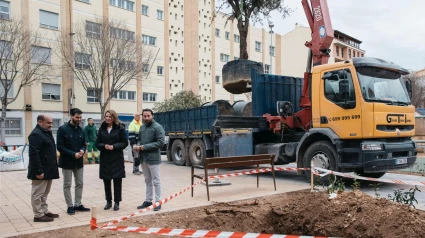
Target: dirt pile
{"type": "Point", "coordinates": [353, 214]}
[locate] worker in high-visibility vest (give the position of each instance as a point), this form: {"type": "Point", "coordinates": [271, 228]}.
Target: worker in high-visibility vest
{"type": "Point", "coordinates": [133, 134]}
{"type": "Point", "coordinates": [90, 132]}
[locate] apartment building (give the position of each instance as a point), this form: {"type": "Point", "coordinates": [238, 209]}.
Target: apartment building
{"type": "Point", "coordinates": [190, 51]}
{"type": "Point", "coordinates": [294, 54]}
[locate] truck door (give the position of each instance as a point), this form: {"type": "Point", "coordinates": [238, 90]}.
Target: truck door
{"type": "Point", "coordinates": [339, 109]}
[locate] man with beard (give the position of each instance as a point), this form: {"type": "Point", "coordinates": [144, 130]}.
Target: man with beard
{"type": "Point", "coordinates": [72, 145]}
{"type": "Point", "coordinates": [42, 168]}
{"type": "Point", "coordinates": [150, 141]}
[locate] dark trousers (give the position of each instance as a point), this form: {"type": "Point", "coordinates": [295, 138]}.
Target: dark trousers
{"type": "Point", "coordinates": [117, 189]}
{"type": "Point", "coordinates": [136, 160]}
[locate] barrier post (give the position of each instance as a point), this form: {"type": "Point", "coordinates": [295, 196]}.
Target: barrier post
{"type": "Point", "coordinates": [93, 215]}
{"type": "Point", "coordinates": [312, 176]}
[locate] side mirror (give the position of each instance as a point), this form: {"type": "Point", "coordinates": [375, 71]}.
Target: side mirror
{"type": "Point", "coordinates": [344, 88]}
{"type": "Point", "coordinates": [409, 88]}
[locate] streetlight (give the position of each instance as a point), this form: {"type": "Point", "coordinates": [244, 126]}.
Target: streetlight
{"type": "Point", "coordinates": [271, 47]}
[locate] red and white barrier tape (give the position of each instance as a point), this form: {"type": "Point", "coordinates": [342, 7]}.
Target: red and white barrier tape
{"type": "Point", "coordinates": [198, 233]}
{"type": "Point", "coordinates": [349, 175]}
{"type": "Point", "coordinates": [94, 224]}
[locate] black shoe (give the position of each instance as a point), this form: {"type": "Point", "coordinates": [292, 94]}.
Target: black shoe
{"type": "Point", "coordinates": [144, 205]}
{"type": "Point", "coordinates": [116, 206]}
{"type": "Point", "coordinates": [43, 219]}
{"type": "Point", "coordinates": [108, 205]}
{"type": "Point", "coordinates": [52, 215]}
{"type": "Point", "coordinates": [81, 208]}
{"type": "Point", "coordinates": [70, 211]}
{"type": "Point", "coordinates": [157, 208]}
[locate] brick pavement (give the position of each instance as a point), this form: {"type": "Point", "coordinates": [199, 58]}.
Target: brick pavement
{"type": "Point", "coordinates": [16, 215]}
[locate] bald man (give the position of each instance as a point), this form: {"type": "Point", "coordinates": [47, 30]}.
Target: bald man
{"type": "Point", "coordinates": [42, 168]}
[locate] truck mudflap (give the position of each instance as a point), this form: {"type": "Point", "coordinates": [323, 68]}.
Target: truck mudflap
{"type": "Point", "coordinates": [383, 155]}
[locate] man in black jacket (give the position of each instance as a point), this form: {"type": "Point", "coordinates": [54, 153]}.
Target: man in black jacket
{"type": "Point", "coordinates": [42, 168]}
{"type": "Point", "coordinates": [72, 145]}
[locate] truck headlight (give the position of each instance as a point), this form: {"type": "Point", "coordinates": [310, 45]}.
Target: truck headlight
{"type": "Point", "coordinates": [372, 147]}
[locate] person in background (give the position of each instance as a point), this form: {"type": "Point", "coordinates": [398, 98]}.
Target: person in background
{"type": "Point", "coordinates": [133, 135]}
{"type": "Point", "coordinates": [150, 141]}
{"type": "Point", "coordinates": [90, 132]}
{"type": "Point", "coordinates": [111, 141]}
{"type": "Point", "coordinates": [42, 168]}
{"type": "Point", "coordinates": [72, 146]}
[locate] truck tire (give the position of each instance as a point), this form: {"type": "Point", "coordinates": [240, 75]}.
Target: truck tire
{"type": "Point", "coordinates": [324, 155]}
{"type": "Point", "coordinates": [178, 152]}
{"type": "Point", "coordinates": [197, 152]}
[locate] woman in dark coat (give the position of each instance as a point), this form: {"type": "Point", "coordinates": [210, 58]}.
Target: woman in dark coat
{"type": "Point", "coordinates": [111, 141]}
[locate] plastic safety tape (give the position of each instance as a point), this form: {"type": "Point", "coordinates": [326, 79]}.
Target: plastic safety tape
{"type": "Point", "coordinates": [198, 233]}
{"type": "Point", "coordinates": [347, 175]}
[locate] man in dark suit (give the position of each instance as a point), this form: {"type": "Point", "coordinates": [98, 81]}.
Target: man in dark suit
{"type": "Point", "coordinates": [42, 168]}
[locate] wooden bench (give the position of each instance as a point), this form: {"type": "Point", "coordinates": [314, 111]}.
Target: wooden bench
{"type": "Point", "coordinates": [233, 162]}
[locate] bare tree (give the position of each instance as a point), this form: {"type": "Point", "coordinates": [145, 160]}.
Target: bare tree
{"type": "Point", "coordinates": [23, 59]}
{"type": "Point", "coordinates": [254, 11]}
{"type": "Point", "coordinates": [417, 83]}
{"type": "Point", "coordinates": [106, 55]}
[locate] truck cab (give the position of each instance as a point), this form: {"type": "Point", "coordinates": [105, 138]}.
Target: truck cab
{"type": "Point", "coordinates": [362, 109]}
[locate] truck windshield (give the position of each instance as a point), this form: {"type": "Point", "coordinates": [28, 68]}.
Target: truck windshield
{"type": "Point", "coordinates": [382, 85]}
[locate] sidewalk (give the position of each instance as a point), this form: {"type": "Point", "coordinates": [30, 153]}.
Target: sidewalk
{"type": "Point", "coordinates": [16, 215]}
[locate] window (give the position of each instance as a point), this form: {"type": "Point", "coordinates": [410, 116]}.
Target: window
{"type": "Point", "coordinates": [51, 91]}
{"type": "Point", "coordinates": [125, 95]}
{"type": "Point", "coordinates": [93, 30]}
{"type": "Point", "coordinates": [41, 55]}
{"type": "Point", "coordinates": [122, 34]}
{"type": "Point", "coordinates": [160, 70]}
{"type": "Point", "coordinates": [55, 126]}
{"type": "Point", "coordinates": [13, 127]}
{"type": "Point", "coordinates": [49, 20]}
{"type": "Point", "coordinates": [224, 58]}
{"type": "Point", "coordinates": [217, 79]}
{"type": "Point", "coordinates": [6, 49]}
{"type": "Point", "coordinates": [126, 4]}
{"type": "Point", "coordinates": [123, 64]}
{"type": "Point", "coordinates": [266, 69]}
{"type": "Point", "coordinates": [145, 10]}
{"type": "Point", "coordinates": [227, 35]}
{"type": "Point", "coordinates": [86, 1]}
{"type": "Point", "coordinates": [271, 48]}
{"type": "Point", "coordinates": [148, 40]}
{"type": "Point", "coordinates": [8, 84]}
{"type": "Point", "coordinates": [145, 68]}
{"type": "Point", "coordinates": [82, 61]}
{"type": "Point", "coordinates": [337, 50]}
{"type": "Point", "coordinates": [4, 10]}
{"type": "Point", "coordinates": [159, 15]}
{"type": "Point", "coordinates": [149, 97]}
{"type": "Point", "coordinates": [217, 32]}
{"type": "Point", "coordinates": [258, 46]}
{"type": "Point", "coordinates": [237, 38]}
{"type": "Point", "coordinates": [92, 95]}
{"type": "Point", "coordinates": [334, 82]}
{"type": "Point", "coordinates": [349, 53]}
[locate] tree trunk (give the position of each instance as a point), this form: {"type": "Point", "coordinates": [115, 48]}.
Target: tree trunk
{"type": "Point", "coordinates": [243, 47]}
{"type": "Point", "coordinates": [102, 111]}
{"type": "Point", "coordinates": [3, 123]}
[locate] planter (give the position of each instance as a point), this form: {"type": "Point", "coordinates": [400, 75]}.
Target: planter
{"type": "Point", "coordinates": [237, 75]}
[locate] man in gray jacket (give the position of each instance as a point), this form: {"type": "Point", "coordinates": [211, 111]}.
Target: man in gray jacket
{"type": "Point", "coordinates": [150, 141]}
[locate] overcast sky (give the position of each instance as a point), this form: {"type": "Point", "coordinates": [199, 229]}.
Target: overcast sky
{"type": "Point", "coordinates": [393, 30]}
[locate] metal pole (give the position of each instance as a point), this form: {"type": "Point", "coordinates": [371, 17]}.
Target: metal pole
{"type": "Point", "coordinates": [71, 53]}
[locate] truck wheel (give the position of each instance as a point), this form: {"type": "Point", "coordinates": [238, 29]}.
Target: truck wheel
{"type": "Point", "coordinates": [197, 152]}
{"type": "Point", "coordinates": [178, 153]}
{"type": "Point", "coordinates": [323, 155]}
